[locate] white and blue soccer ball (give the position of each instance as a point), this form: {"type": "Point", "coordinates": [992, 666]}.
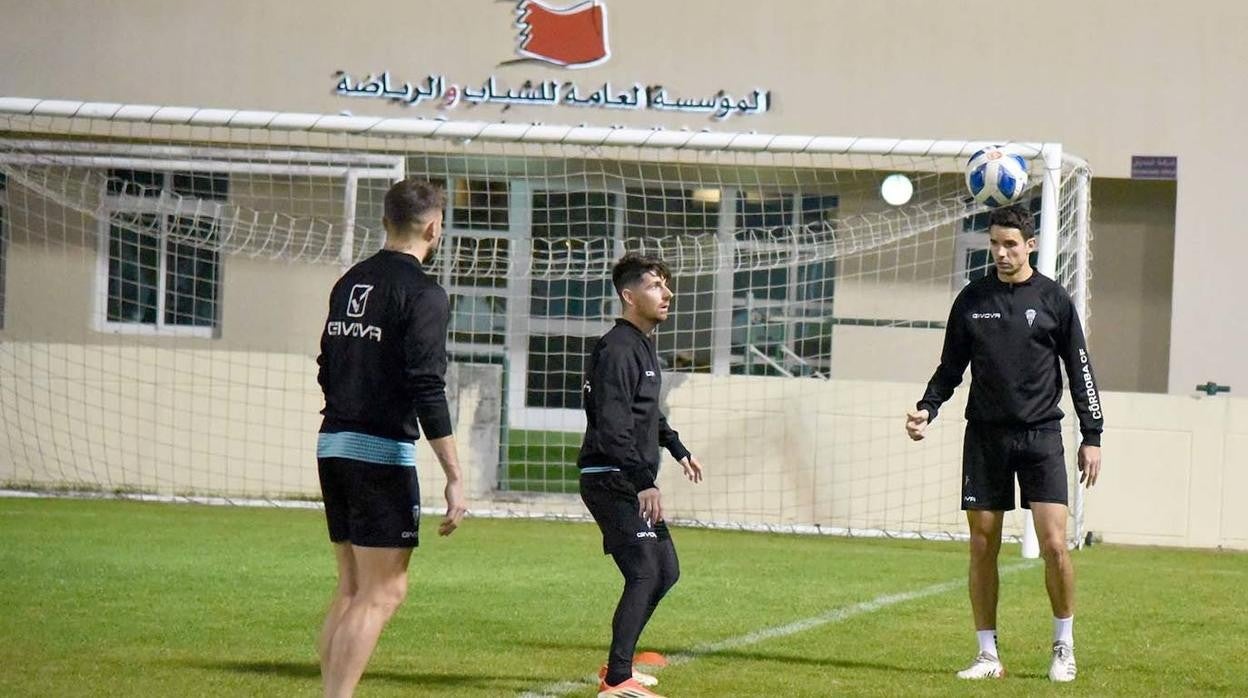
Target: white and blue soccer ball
{"type": "Point", "coordinates": [996, 177]}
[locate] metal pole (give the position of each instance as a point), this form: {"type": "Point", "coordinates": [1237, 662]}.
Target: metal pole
{"type": "Point", "coordinates": [346, 252]}
{"type": "Point", "coordinates": [1050, 217]}
{"type": "Point", "coordinates": [1082, 217]}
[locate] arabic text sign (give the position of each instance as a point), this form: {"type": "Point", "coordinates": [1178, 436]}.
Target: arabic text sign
{"type": "Point", "coordinates": [1154, 167]}
{"type": "Point", "coordinates": [549, 93]}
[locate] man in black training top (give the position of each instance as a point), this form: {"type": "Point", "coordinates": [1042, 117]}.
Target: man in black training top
{"type": "Point", "coordinates": [382, 369]}
{"type": "Point", "coordinates": [619, 461]}
{"type": "Point", "coordinates": [1015, 328]}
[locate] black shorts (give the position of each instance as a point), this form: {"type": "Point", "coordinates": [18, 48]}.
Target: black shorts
{"type": "Point", "coordinates": [993, 455]}
{"type": "Point", "coordinates": [370, 505]}
{"type": "Point", "coordinates": [612, 500]}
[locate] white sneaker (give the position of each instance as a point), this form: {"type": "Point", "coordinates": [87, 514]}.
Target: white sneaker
{"type": "Point", "coordinates": [1062, 667]}
{"type": "Point", "coordinates": [985, 666]}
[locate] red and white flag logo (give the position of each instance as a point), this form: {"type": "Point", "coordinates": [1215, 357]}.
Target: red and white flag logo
{"type": "Point", "coordinates": [573, 37]}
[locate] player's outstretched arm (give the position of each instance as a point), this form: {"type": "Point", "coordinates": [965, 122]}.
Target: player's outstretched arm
{"type": "Point", "coordinates": [916, 424]}
{"type": "Point", "coordinates": [445, 450]}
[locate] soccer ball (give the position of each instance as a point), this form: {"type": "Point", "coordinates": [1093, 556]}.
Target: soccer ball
{"type": "Point", "coordinates": [996, 177]}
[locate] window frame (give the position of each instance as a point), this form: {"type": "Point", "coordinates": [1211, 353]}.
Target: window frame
{"type": "Point", "coordinates": [163, 206]}
{"type": "Point", "coordinates": [4, 248]}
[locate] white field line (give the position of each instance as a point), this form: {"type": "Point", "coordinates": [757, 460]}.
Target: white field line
{"type": "Point", "coordinates": [835, 615]}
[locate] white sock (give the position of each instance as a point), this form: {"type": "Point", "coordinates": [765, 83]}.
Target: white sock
{"type": "Point", "coordinates": [987, 641]}
{"type": "Point", "coordinates": [1064, 630]}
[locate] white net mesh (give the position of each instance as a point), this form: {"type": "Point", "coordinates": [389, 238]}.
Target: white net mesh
{"type": "Point", "coordinates": [165, 278]}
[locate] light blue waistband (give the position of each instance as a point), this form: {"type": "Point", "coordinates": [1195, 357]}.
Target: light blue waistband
{"type": "Point", "coordinates": [600, 469]}
{"type": "Point", "coordinates": [366, 447]}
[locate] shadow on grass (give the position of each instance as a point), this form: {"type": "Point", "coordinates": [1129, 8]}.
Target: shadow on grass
{"type": "Point", "coordinates": [745, 655]}
{"type": "Point", "coordinates": [825, 662]}
{"type": "Point", "coordinates": [312, 672]}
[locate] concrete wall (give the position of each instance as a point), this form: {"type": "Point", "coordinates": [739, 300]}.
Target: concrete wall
{"type": "Point", "coordinates": [835, 453]}
{"type": "Point", "coordinates": [193, 421]}
{"type": "Point", "coordinates": [778, 452]}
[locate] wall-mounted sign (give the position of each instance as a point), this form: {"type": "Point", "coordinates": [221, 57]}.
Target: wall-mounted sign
{"type": "Point", "coordinates": [570, 37]}
{"type": "Point", "coordinates": [436, 89]}
{"type": "Point", "coordinates": [1154, 167]}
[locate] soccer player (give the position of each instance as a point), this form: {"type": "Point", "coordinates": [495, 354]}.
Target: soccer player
{"type": "Point", "coordinates": [1014, 328]}
{"type": "Point", "coordinates": [382, 369]}
{"type": "Point", "coordinates": [619, 461]}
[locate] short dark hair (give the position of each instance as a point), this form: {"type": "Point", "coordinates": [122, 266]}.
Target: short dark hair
{"type": "Point", "coordinates": [411, 200]}
{"type": "Point", "coordinates": [1013, 217]}
{"type": "Point", "coordinates": [632, 266]}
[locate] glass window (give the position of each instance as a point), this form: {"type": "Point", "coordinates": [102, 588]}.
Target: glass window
{"type": "Point", "coordinates": [763, 210]}
{"type": "Point", "coordinates": [819, 207]}
{"type": "Point", "coordinates": [133, 268]}
{"type": "Point", "coordinates": [478, 319]}
{"type": "Point", "coordinates": [479, 262]}
{"type": "Point", "coordinates": [202, 185]}
{"type": "Point", "coordinates": [164, 271]}
{"type": "Point", "coordinates": [556, 370]}
{"type": "Point", "coordinates": [660, 213]}
{"type": "Point", "coordinates": [135, 183]}
{"type": "Point", "coordinates": [480, 204]}
{"type": "Point", "coordinates": [192, 265]}
{"type": "Point", "coordinates": [572, 246]}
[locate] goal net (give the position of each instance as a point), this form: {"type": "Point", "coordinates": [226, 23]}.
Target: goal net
{"type": "Point", "coordinates": [164, 274]}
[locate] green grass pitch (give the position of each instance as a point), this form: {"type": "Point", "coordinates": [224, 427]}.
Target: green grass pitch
{"type": "Point", "coordinates": [115, 598]}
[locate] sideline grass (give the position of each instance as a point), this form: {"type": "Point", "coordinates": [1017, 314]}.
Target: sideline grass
{"type": "Point", "coordinates": [106, 598]}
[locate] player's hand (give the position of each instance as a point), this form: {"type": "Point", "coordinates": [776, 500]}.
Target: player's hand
{"type": "Point", "coordinates": [455, 508]}
{"type": "Point", "coordinates": [1089, 464]}
{"type": "Point", "coordinates": [916, 424]}
{"type": "Point", "coordinates": [692, 468]}
{"type": "Point", "coordinates": [651, 505]}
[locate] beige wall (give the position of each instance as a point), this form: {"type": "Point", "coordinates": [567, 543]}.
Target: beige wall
{"type": "Point", "coordinates": [778, 452]}
{"type": "Point", "coordinates": [1174, 472]}
{"type": "Point", "coordinates": [196, 421]}
{"type": "Point", "coordinates": [266, 304]}
{"type": "Point", "coordinates": [1109, 79]}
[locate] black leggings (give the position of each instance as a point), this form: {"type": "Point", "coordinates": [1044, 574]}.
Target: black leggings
{"type": "Point", "coordinates": [649, 569]}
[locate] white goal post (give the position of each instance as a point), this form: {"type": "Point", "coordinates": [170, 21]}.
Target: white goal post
{"type": "Point", "coordinates": [166, 270]}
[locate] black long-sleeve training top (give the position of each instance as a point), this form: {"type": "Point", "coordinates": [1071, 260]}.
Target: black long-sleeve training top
{"type": "Point", "coordinates": [624, 426]}
{"type": "Point", "coordinates": [1014, 336]}
{"type": "Point", "coordinates": [383, 351]}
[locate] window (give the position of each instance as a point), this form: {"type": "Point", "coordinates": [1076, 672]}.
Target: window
{"type": "Point", "coordinates": [780, 302]}
{"type": "Point", "coordinates": [4, 242]}
{"type": "Point", "coordinates": [570, 231]}
{"type": "Point", "coordinates": [480, 204]}
{"type": "Point", "coordinates": [659, 213]}
{"type": "Point", "coordinates": [556, 370]}
{"type": "Point", "coordinates": [160, 256]}
{"type": "Point", "coordinates": [477, 254]}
